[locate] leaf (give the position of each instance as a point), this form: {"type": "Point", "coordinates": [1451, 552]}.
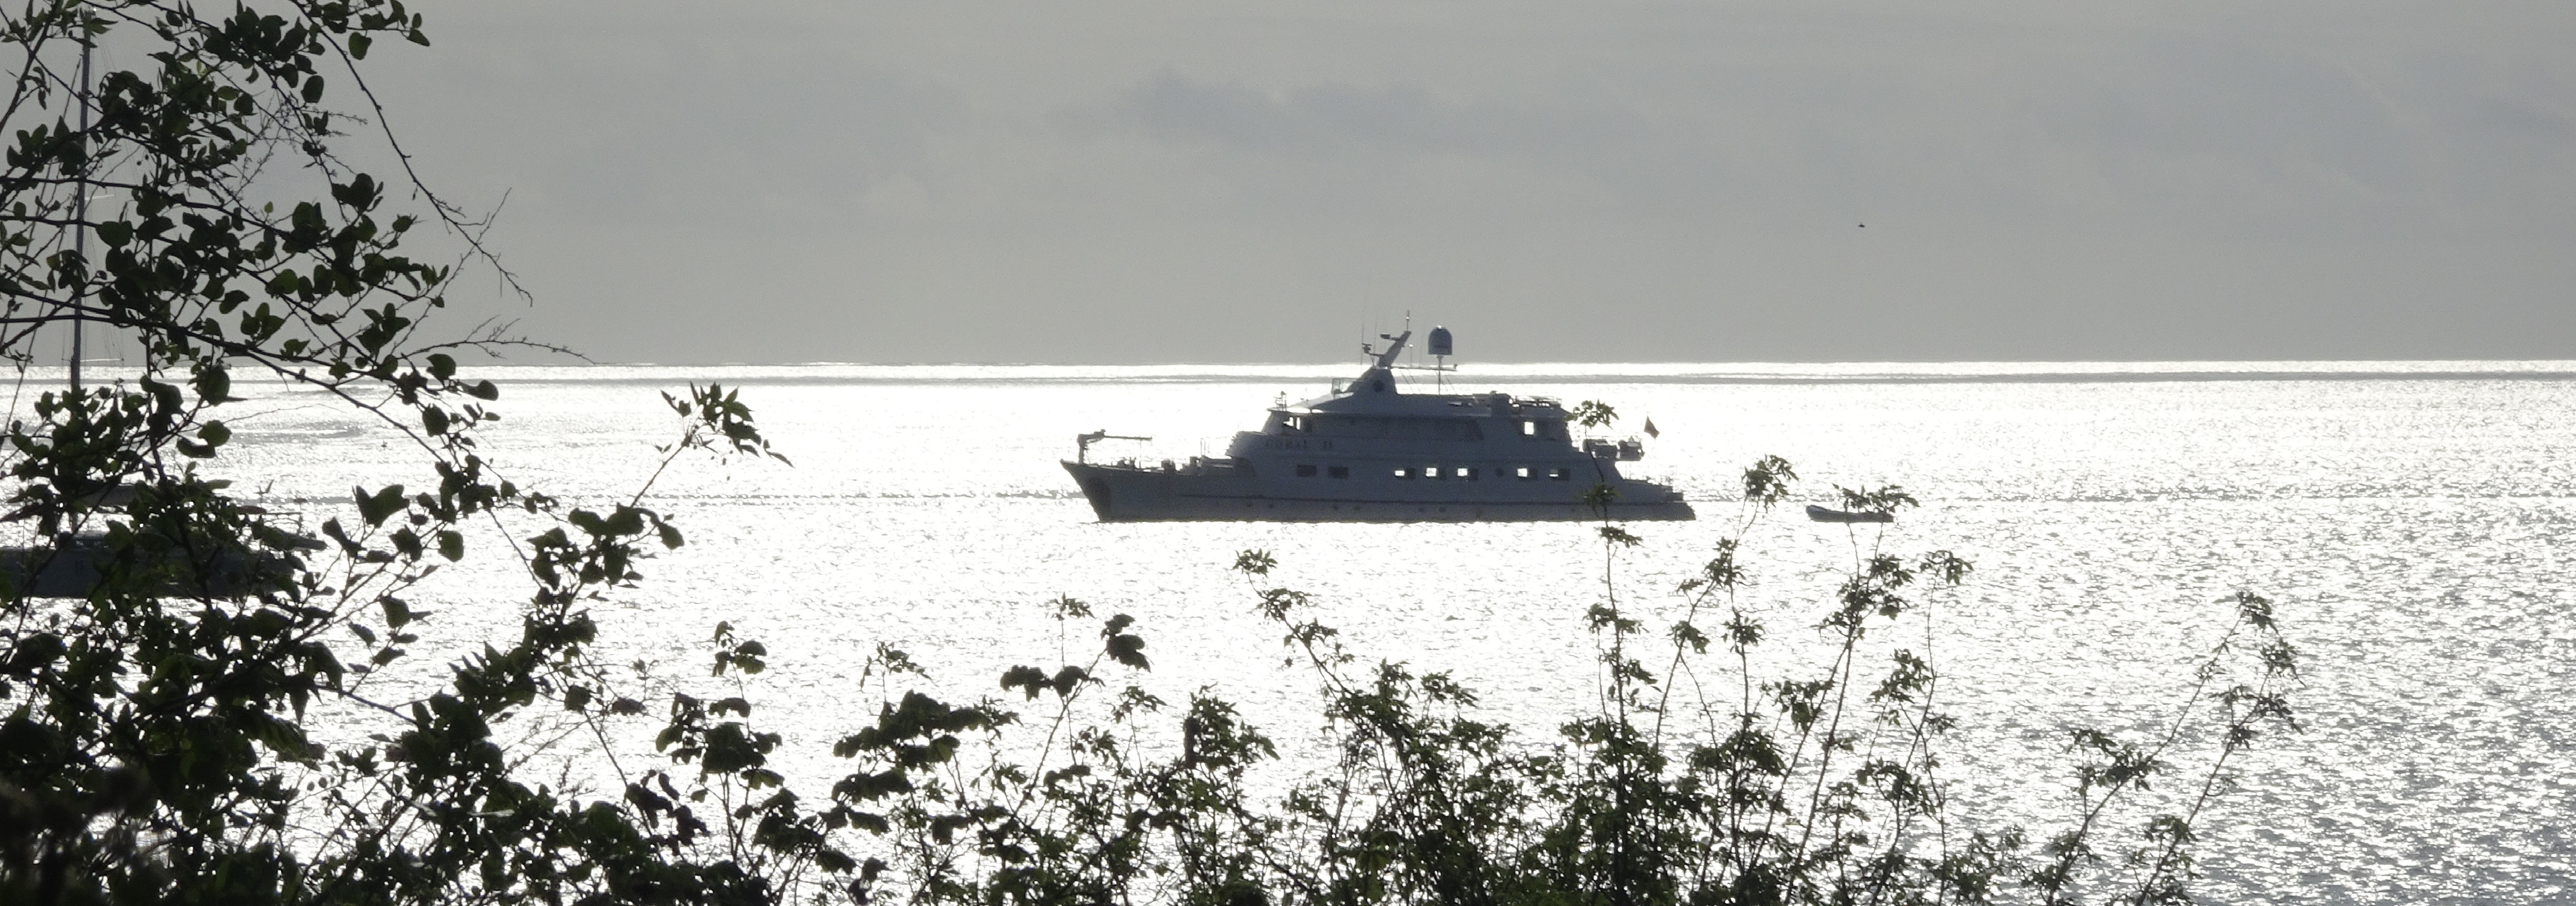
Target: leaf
{"type": "Point", "coordinates": [1129, 650]}
{"type": "Point", "coordinates": [1068, 679]}
{"type": "Point", "coordinates": [451, 545]}
{"type": "Point", "coordinates": [377, 507]}
{"type": "Point", "coordinates": [1254, 562]}
{"type": "Point", "coordinates": [36, 651]}
{"type": "Point", "coordinates": [358, 45]}
{"type": "Point", "coordinates": [1594, 414]}
{"type": "Point", "coordinates": [625, 521]}
{"type": "Point", "coordinates": [1767, 481]}
{"type": "Point", "coordinates": [214, 384]}
{"type": "Point", "coordinates": [1027, 678]}
{"type": "Point", "coordinates": [164, 396]}
{"type": "Point", "coordinates": [214, 434]}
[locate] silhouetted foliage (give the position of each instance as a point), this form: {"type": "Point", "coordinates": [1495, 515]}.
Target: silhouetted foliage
{"type": "Point", "coordinates": [191, 684]}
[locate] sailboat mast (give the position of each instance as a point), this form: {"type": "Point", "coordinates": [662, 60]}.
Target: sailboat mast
{"type": "Point", "coordinates": [80, 220]}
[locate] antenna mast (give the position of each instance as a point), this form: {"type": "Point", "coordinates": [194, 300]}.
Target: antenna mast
{"type": "Point", "coordinates": [1440, 351]}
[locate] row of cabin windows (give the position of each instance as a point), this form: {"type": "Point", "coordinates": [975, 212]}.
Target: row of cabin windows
{"type": "Point", "coordinates": [1444, 473]}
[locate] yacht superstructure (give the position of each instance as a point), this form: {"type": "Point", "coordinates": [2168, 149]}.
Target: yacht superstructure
{"type": "Point", "coordinates": [1367, 452]}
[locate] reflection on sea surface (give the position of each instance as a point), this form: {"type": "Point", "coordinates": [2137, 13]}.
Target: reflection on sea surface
{"type": "Point", "coordinates": [2412, 519]}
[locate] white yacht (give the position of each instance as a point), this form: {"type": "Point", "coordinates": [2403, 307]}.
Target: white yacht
{"type": "Point", "coordinates": [1367, 452]}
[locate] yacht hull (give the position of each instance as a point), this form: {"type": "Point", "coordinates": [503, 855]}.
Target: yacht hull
{"type": "Point", "coordinates": [1130, 494]}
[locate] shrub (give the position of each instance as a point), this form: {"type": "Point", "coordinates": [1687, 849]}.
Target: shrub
{"type": "Point", "coordinates": [1820, 785]}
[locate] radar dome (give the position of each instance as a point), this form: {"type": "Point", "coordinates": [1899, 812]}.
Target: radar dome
{"type": "Point", "coordinates": [1440, 341]}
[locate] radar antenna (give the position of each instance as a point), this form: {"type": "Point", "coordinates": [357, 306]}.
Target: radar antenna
{"type": "Point", "coordinates": [1440, 349]}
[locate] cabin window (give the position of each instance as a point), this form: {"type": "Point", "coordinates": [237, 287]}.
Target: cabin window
{"type": "Point", "coordinates": [1402, 472]}
{"type": "Point", "coordinates": [1525, 473]}
{"type": "Point", "coordinates": [1298, 423]}
{"type": "Point", "coordinates": [1468, 473]}
{"type": "Point", "coordinates": [1339, 471]}
{"type": "Point", "coordinates": [1560, 473]}
{"type": "Point", "coordinates": [1529, 428]}
{"type": "Point", "coordinates": [1305, 470]}
{"type": "Point", "coordinates": [1433, 472]}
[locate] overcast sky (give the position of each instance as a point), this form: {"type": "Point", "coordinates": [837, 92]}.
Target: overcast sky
{"type": "Point", "coordinates": [1211, 180]}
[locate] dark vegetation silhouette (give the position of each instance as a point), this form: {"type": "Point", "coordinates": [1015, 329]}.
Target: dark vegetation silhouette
{"type": "Point", "coordinates": [193, 695]}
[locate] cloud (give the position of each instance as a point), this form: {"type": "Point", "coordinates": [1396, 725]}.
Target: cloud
{"type": "Point", "coordinates": [2067, 177]}
{"type": "Point", "coordinates": [1333, 118]}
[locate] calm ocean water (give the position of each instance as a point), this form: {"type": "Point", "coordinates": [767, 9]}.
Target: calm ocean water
{"type": "Point", "coordinates": [2413, 520]}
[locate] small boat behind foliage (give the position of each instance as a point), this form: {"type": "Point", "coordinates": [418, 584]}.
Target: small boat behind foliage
{"type": "Point", "coordinates": [1821, 514]}
{"type": "Point", "coordinates": [139, 555]}
{"type": "Point", "coordinates": [77, 566]}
